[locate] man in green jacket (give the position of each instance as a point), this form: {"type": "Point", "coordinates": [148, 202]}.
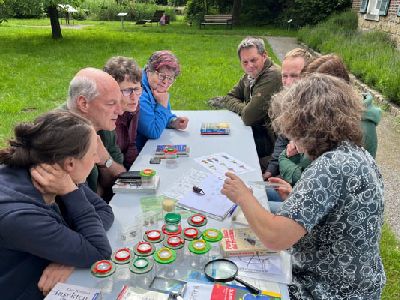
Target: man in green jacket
{"type": "Point", "coordinates": [251, 96]}
{"type": "Point", "coordinates": [96, 96]}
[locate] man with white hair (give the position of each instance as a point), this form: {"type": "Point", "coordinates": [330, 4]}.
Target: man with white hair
{"type": "Point", "coordinates": [96, 96]}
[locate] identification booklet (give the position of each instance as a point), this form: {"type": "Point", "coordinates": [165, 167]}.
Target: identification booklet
{"type": "Point", "coordinates": [183, 150]}
{"type": "Point", "coordinates": [64, 291]}
{"type": "Point", "coordinates": [220, 128]}
{"type": "Point", "coordinates": [241, 242]}
{"type": "Point", "coordinates": [217, 291]}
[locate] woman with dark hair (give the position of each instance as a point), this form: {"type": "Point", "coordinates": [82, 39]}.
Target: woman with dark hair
{"type": "Point", "coordinates": [155, 108]}
{"type": "Point", "coordinates": [128, 75]}
{"type": "Point", "coordinates": [50, 221]}
{"type": "Point", "coordinates": [333, 217]}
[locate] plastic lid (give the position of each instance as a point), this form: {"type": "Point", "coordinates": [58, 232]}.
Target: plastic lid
{"type": "Point", "coordinates": [147, 173]}
{"type": "Point", "coordinates": [102, 266]}
{"type": "Point", "coordinates": [123, 254]}
{"type": "Point", "coordinates": [141, 263]}
{"type": "Point", "coordinates": [153, 235]}
{"type": "Point", "coordinates": [212, 235]}
{"type": "Point", "coordinates": [174, 241]}
{"type": "Point", "coordinates": [144, 247]}
{"type": "Point", "coordinates": [198, 219]}
{"type": "Point", "coordinates": [170, 150]}
{"type": "Point", "coordinates": [164, 255]}
{"type": "Point", "coordinates": [172, 218]}
{"type": "Point", "coordinates": [199, 246]}
{"type": "Point", "coordinates": [191, 232]}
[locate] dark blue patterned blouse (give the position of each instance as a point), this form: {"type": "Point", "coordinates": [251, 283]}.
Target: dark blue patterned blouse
{"type": "Point", "coordinates": [339, 201]}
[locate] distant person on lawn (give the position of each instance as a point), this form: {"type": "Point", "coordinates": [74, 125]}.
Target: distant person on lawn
{"type": "Point", "coordinates": [155, 108]}
{"type": "Point", "coordinates": [129, 77]}
{"type": "Point", "coordinates": [96, 96]}
{"type": "Point", "coordinates": [251, 96]}
{"type": "Point", "coordinates": [50, 221]}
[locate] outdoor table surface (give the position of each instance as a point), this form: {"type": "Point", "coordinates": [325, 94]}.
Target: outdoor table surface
{"type": "Point", "coordinates": [126, 206]}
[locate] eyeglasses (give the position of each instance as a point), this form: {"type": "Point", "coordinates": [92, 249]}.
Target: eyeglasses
{"type": "Point", "coordinates": [162, 77]}
{"type": "Point", "coordinates": [128, 92]}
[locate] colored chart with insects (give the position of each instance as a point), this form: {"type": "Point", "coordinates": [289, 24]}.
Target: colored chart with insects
{"type": "Point", "coordinates": [220, 163]}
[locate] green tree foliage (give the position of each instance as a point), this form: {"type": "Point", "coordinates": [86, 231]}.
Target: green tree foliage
{"type": "Point", "coordinates": [35, 8]}
{"type": "Point", "coordinates": [310, 12]}
{"type": "Point", "coordinates": [277, 12]}
{"type": "Point", "coordinates": [5, 11]}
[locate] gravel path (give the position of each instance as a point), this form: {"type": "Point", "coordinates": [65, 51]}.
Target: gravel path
{"type": "Point", "coordinates": [388, 156]}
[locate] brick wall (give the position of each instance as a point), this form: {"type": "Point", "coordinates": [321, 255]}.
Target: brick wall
{"type": "Point", "coordinates": [389, 23]}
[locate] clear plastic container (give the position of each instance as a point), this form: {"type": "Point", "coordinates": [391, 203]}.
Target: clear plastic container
{"type": "Point", "coordinates": [171, 157]}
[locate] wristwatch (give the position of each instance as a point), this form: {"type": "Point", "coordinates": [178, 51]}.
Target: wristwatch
{"type": "Point", "coordinates": [107, 163]}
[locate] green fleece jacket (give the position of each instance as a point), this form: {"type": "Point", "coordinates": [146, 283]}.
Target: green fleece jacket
{"type": "Point", "coordinates": [252, 103]}
{"type": "Point", "coordinates": [370, 119]}
{"type": "Point", "coordinates": [290, 168]}
{"type": "Point", "coordinates": [251, 100]}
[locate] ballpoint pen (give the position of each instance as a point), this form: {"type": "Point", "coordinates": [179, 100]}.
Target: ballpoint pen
{"type": "Point", "coordinates": [266, 184]}
{"type": "Point", "coordinates": [232, 210]}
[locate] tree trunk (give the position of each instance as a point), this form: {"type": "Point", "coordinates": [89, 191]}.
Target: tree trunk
{"type": "Point", "coordinates": [237, 6]}
{"type": "Point", "coordinates": [55, 24]}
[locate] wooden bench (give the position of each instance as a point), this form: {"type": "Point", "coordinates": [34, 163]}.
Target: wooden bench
{"type": "Point", "coordinates": [155, 19]}
{"type": "Point", "coordinates": [217, 20]}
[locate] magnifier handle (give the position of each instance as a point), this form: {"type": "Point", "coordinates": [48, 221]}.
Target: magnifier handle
{"type": "Point", "coordinates": [251, 288]}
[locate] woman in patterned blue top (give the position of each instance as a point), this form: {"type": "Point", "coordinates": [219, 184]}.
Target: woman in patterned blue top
{"type": "Point", "coordinates": [333, 217]}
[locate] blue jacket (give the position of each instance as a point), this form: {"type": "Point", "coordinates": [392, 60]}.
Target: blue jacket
{"type": "Point", "coordinates": [34, 234]}
{"type": "Point", "coordinates": [153, 117]}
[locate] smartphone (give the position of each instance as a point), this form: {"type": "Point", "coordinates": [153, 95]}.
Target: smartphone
{"type": "Point", "coordinates": [168, 285]}
{"type": "Point", "coordinates": [155, 160]}
{"type": "Point", "coordinates": [130, 176]}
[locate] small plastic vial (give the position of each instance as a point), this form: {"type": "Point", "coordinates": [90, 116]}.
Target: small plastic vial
{"type": "Point", "coordinates": [165, 257]}
{"type": "Point", "coordinates": [171, 157]}
{"type": "Point", "coordinates": [103, 271]}
{"type": "Point", "coordinates": [142, 271]}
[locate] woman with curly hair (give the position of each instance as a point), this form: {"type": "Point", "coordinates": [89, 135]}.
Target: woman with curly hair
{"type": "Point", "coordinates": [333, 217]}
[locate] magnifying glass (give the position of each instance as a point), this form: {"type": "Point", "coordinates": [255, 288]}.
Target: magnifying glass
{"type": "Point", "coordinates": [223, 270]}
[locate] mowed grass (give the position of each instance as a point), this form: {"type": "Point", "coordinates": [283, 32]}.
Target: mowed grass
{"type": "Point", "coordinates": [35, 72]}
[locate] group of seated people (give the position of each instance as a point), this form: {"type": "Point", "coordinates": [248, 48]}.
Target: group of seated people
{"type": "Point", "coordinates": [309, 127]}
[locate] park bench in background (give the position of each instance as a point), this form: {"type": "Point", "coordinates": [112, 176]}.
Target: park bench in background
{"type": "Point", "coordinates": [155, 19]}
{"type": "Point", "coordinates": [217, 20]}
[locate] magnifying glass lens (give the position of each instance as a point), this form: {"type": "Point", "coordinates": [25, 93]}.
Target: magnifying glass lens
{"type": "Point", "coordinates": [224, 270]}
{"type": "Point", "coordinates": [221, 270]}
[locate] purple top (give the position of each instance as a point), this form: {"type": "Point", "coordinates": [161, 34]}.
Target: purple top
{"type": "Point", "coordinates": [126, 127]}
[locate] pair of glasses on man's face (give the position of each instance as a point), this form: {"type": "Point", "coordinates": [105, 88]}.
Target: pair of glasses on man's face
{"type": "Point", "coordinates": [163, 76]}
{"type": "Point", "coordinates": [129, 91]}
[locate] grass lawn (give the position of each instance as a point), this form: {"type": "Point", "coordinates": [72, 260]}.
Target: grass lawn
{"type": "Point", "coordinates": [35, 72]}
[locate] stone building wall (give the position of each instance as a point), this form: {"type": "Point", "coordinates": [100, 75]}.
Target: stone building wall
{"type": "Point", "coordinates": [389, 23]}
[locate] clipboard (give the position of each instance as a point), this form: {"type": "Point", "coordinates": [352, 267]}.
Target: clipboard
{"type": "Point", "coordinates": [212, 203]}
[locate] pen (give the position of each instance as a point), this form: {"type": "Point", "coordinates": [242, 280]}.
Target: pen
{"type": "Point", "coordinates": [232, 210]}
